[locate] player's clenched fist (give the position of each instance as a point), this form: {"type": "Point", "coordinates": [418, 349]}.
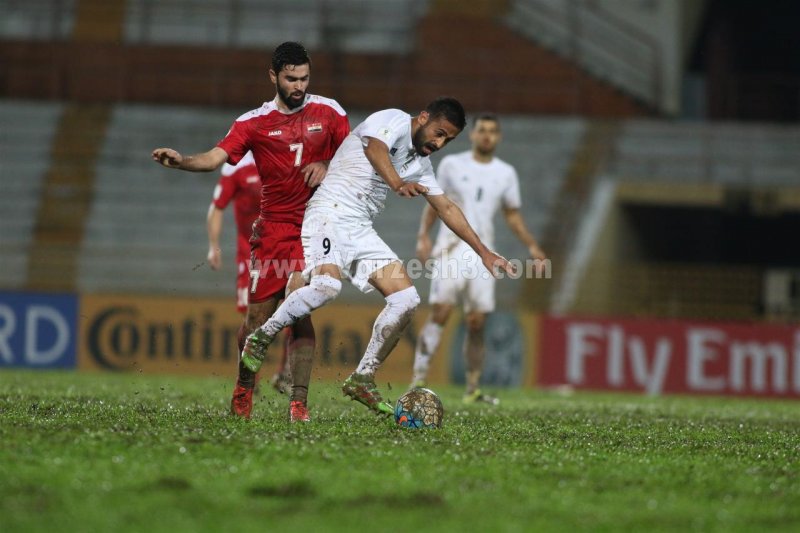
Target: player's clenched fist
{"type": "Point", "coordinates": [167, 157]}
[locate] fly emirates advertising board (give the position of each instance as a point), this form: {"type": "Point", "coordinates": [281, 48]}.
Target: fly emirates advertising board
{"type": "Point", "coordinates": [662, 356]}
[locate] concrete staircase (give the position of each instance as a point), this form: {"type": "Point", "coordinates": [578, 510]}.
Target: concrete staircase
{"type": "Point", "coordinates": [66, 197]}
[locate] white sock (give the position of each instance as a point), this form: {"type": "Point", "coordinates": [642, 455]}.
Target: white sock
{"type": "Point", "coordinates": [427, 343]}
{"type": "Point", "coordinates": [300, 303]}
{"type": "Point", "coordinates": [387, 329]}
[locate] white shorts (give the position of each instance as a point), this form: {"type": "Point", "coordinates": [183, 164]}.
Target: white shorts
{"type": "Point", "coordinates": [460, 275]}
{"type": "Point", "coordinates": [352, 245]}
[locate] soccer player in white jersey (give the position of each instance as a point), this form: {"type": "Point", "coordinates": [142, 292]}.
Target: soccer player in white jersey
{"type": "Point", "coordinates": [481, 184]}
{"type": "Point", "coordinates": [388, 151]}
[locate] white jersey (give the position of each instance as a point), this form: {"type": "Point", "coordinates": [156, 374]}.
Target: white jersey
{"type": "Point", "coordinates": [480, 190]}
{"type": "Point", "coordinates": [352, 185]}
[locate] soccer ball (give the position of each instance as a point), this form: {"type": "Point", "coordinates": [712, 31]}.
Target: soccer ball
{"type": "Point", "coordinates": [419, 408]}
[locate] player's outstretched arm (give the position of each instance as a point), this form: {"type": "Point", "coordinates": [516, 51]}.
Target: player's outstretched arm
{"type": "Point", "coordinates": [378, 155]}
{"type": "Point", "coordinates": [205, 162]}
{"type": "Point", "coordinates": [454, 218]}
{"type": "Point", "coordinates": [517, 225]}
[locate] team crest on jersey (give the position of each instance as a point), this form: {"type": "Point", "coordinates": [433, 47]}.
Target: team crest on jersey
{"type": "Point", "coordinates": [317, 126]}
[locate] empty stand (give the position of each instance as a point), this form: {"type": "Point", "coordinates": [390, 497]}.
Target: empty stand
{"type": "Point", "coordinates": [37, 19]}
{"type": "Point", "coordinates": [726, 154]}
{"type": "Point", "coordinates": [596, 42]}
{"type": "Point", "coordinates": [67, 195]}
{"type": "Point", "coordinates": [146, 232]}
{"type": "Point", "coordinates": [25, 145]}
{"type": "Point", "coordinates": [346, 25]}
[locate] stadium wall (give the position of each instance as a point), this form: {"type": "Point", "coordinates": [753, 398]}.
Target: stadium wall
{"type": "Point", "coordinates": [538, 81]}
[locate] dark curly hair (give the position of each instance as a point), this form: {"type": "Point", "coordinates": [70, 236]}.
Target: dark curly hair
{"type": "Point", "coordinates": [449, 108]}
{"type": "Point", "coordinates": [289, 53]}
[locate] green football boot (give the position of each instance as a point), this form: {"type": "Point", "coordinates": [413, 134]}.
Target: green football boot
{"type": "Point", "coordinates": [255, 349]}
{"type": "Point", "coordinates": [364, 390]}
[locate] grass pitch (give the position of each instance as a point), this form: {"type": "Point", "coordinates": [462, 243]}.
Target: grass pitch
{"type": "Point", "coordinates": [130, 452]}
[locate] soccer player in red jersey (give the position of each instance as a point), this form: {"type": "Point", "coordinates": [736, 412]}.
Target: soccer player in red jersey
{"type": "Point", "coordinates": [292, 138]}
{"type": "Point", "coordinates": [241, 185]}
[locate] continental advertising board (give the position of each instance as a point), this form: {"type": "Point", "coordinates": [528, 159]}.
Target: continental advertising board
{"type": "Point", "coordinates": [663, 356]}
{"type": "Point", "coordinates": [198, 336]}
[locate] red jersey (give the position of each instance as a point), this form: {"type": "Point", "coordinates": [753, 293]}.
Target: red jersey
{"type": "Point", "coordinates": [282, 145]}
{"type": "Point", "coordinates": [242, 184]}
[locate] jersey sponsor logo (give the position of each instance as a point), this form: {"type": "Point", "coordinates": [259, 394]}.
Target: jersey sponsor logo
{"type": "Point", "coordinates": [274, 133]}
{"type": "Point", "coordinates": [317, 126]}
{"type": "Point", "coordinates": [253, 179]}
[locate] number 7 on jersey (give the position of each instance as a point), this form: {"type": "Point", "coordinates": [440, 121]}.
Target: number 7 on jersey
{"type": "Point", "coordinates": [298, 157]}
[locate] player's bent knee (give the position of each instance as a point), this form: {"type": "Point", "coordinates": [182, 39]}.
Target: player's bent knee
{"type": "Point", "coordinates": [326, 286]}
{"type": "Point", "coordinates": [406, 301]}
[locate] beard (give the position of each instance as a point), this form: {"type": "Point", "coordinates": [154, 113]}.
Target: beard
{"type": "Point", "coordinates": [419, 143]}
{"type": "Point", "coordinates": [292, 102]}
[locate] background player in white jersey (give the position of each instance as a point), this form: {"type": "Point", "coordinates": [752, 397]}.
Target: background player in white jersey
{"type": "Point", "coordinates": [481, 184]}
{"type": "Point", "coordinates": [389, 150]}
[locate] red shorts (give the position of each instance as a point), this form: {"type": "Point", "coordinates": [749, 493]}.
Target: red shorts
{"type": "Point", "coordinates": [275, 252]}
